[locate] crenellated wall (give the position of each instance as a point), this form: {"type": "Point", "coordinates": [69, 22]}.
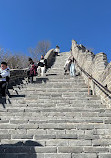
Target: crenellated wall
{"type": "Point", "coordinates": [95, 65]}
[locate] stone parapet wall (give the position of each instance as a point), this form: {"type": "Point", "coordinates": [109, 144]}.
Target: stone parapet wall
{"type": "Point", "coordinates": [97, 66]}
{"type": "Point", "coordinates": [49, 56]}
{"type": "Point", "coordinates": [17, 74]}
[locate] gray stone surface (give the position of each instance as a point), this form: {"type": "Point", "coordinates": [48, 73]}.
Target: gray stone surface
{"type": "Point", "coordinates": [54, 118]}
{"type": "Point", "coordinates": [85, 155]}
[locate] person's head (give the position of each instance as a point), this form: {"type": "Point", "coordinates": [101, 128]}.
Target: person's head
{"type": "Point", "coordinates": [30, 61]}
{"type": "Point", "coordinates": [3, 65]}
{"type": "Point", "coordinates": [42, 57]}
{"type": "Point", "coordinates": [57, 46]}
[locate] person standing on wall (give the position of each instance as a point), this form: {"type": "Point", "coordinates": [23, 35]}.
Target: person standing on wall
{"type": "Point", "coordinates": [57, 50]}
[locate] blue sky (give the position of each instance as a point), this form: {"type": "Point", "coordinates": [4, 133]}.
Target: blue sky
{"type": "Point", "coordinates": [25, 22]}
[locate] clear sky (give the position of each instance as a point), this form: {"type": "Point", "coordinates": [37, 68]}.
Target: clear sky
{"type": "Point", "coordinates": [25, 22]}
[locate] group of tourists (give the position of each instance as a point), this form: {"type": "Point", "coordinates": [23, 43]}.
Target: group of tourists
{"type": "Point", "coordinates": [34, 69]}
{"type": "Point", "coordinates": [39, 68]}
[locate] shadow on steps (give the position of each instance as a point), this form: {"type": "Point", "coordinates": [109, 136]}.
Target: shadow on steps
{"type": "Point", "coordinates": [19, 150]}
{"type": "Point", "coordinates": [41, 80]}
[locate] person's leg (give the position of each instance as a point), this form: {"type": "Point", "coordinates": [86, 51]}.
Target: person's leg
{"type": "Point", "coordinates": [28, 75]}
{"type": "Point", "coordinates": [42, 71]}
{"type": "Point", "coordinates": [0, 88]}
{"type": "Point", "coordinates": [71, 70]}
{"type": "Point", "coordinates": [31, 78]}
{"type": "Point", "coordinates": [3, 89]}
{"type": "Point", "coordinates": [38, 70]}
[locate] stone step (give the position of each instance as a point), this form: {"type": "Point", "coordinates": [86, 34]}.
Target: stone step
{"type": "Point", "coordinates": [58, 126]}
{"type": "Point", "coordinates": [49, 149]}
{"type": "Point", "coordinates": [58, 155]}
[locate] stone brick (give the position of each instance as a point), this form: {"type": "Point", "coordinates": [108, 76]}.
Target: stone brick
{"type": "Point", "coordinates": [5, 136]}
{"type": "Point", "coordinates": [36, 131]}
{"type": "Point", "coordinates": [44, 136]}
{"type": "Point", "coordinates": [57, 142]}
{"type": "Point", "coordinates": [57, 126]}
{"type": "Point", "coordinates": [18, 121]}
{"type": "Point", "coordinates": [85, 155]}
{"type": "Point", "coordinates": [54, 131]}
{"type": "Point", "coordinates": [79, 142]}
{"type": "Point", "coordinates": [70, 149]}
{"type": "Point", "coordinates": [57, 155]}
{"type": "Point", "coordinates": [66, 136]}
{"type": "Point", "coordinates": [21, 136]}
{"type": "Point", "coordinates": [28, 126]}
{"type": "Point", "coordinates": [101, 142]}
{"type": "Point", "coordinates": [45, 149]}
{"type": "Point", "coordinates": [106, 155]}
{"type": "Point", "coordinates": [96, 149]}
{"type": "Point", "coordinates": [85, 126]}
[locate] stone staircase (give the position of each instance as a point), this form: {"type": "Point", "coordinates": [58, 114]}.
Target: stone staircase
{"type": "Point", "coordinates": [54, 118]}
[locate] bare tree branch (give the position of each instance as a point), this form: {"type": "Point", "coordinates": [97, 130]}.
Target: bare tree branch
{"type": "Point", "coordinates": [41, 49]}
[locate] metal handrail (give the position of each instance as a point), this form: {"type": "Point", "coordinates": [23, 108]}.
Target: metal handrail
{"type": "Point", "coordinates": [93, 79]}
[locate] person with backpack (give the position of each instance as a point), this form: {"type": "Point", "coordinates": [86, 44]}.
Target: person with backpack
{"type": "Point", "coordinates": [4, 78]}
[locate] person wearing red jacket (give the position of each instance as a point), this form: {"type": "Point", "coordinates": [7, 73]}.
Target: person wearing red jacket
{"type": "Point", "coordinates": [32, 70]}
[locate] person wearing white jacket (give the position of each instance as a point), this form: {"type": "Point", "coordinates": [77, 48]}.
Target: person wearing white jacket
{"type": "Point", "coordinates": [4, 74]}
{"type": "Point", "coordinates": [67, 66]}
{"type": "Point", "coordinates": [57, 50]}
{"type": "Point", "coordinates": [42, 65]}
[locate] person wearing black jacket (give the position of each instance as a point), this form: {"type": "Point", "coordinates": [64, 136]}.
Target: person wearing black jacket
{"type": "Point", "coordinates": [42, 65]}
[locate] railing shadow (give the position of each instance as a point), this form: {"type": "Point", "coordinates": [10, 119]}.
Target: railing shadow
{"type": "Point", "coordinates": [41, 80]}
{"type": "Point", "coordinates": [19, 150]}
{"type": "Point", "coordinates": [51, 74]}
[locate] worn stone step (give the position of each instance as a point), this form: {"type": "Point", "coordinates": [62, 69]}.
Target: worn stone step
{"type": "Point", "coordinates": [53, 120]}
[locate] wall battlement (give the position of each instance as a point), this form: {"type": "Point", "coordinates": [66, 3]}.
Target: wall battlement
{"type": "Point", "coordinates": [97, 66]}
